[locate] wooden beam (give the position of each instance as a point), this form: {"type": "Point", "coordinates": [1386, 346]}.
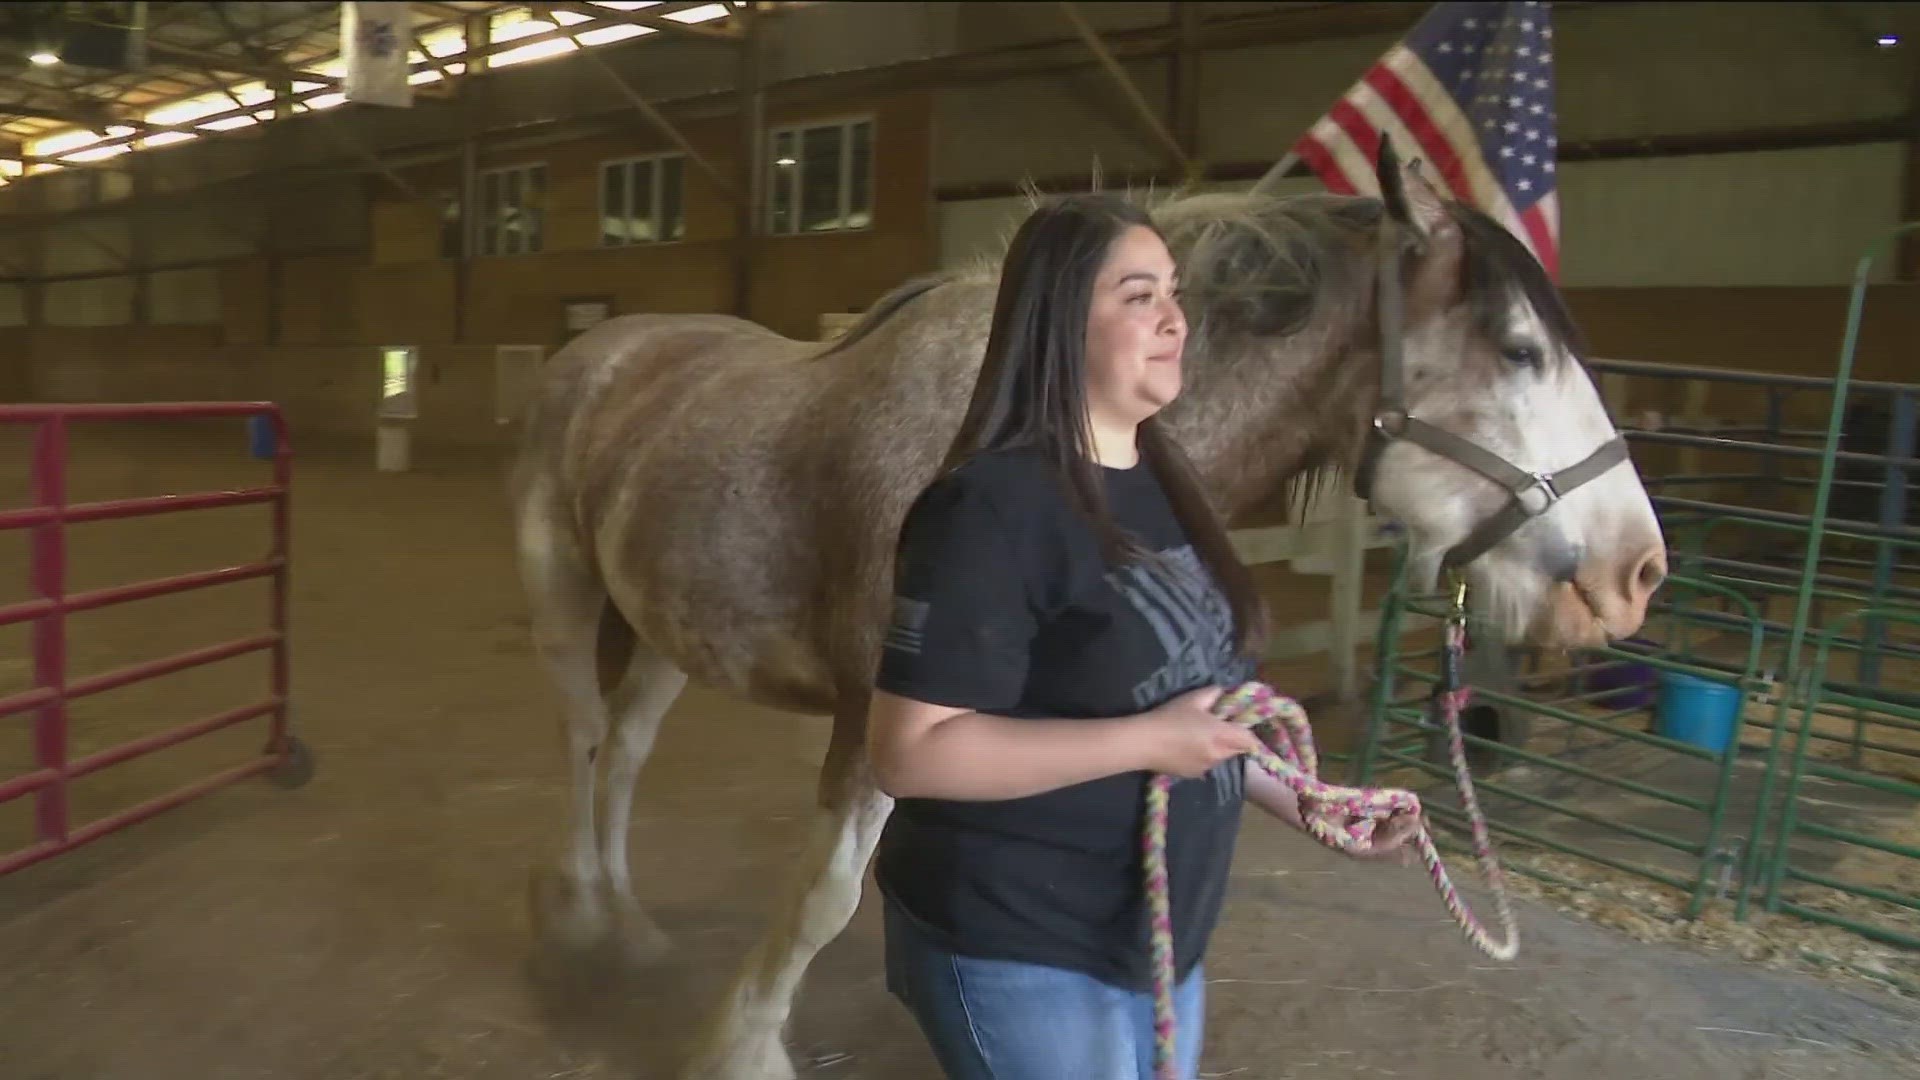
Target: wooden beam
{"type": "Point", "coordinates": [1000, 63]}
{"type": "Point", "coordinates": [727, 34]}
{"type": "Point", "coordinates": [34, 251]}
{"type": "Point", "coordinates": [647, 109]}
{"type": "Point", "coordinates": [1907, 259]}
{"type": "Point", "coordinates": [748, 206]}
{"type": "Point", "coordinates": [212, 263]}
{"type": "Point", "coordinates": [111, 252]}
{"type": "Point", "coordinates": [238, 66]}
{"type": "Point", "coordinates": [140, 244]}
{"type": "Point", "coordinates": [1183, 86]}
{"type": "Point", "coordinates": [447, 77]}
{"type": "Point", "coordinates": [1805, 137]}
{"type": "Point", "coordinates": [1148, 118]}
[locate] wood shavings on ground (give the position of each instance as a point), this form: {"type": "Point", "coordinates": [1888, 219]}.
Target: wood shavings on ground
{"type": "Point", "coordinates": [1650, 912]}
{"type": "Point", "coordinates": [1654, 913]}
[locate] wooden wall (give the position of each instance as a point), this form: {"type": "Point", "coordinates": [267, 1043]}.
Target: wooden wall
{"type": "Point", "coordinates": [517, 298]}
{"type": "Point", "coordinates": [334, 311]}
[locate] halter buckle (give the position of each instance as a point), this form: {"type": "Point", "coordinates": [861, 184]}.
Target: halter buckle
{"type": "Point", "coordinates": [1391, 423]}
{"type": "Point", "coordinates": [1542, 488]}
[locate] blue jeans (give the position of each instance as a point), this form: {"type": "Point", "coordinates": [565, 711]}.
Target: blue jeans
{"type": "Point", "coordinates": [1005, 1020]}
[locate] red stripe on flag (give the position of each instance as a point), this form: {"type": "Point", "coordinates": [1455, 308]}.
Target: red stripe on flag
{"type": "Point", "coordinates": [1535, 219]}
{"type": "Point", "coordinates": [1322, 162]}
{"type": "Point", "coordinates": [1413, 113]}
{"type": "Point", "coordinates": [1358, 128]}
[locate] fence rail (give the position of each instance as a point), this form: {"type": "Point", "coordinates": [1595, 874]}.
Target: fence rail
{"type": "Point", "coordinates": [47, 521]}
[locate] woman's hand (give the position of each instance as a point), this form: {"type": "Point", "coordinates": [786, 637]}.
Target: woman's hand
{"type": "Point", "coordinates": [1390, 840]}
{"type": "Point", "coordinates": [1189, 740]}
{"type": "Point", "coordinates": [1390, 837]}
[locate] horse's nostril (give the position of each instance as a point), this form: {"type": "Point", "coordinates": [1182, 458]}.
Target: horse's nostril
{"type": "Point", "coordinates": [1649, 574]}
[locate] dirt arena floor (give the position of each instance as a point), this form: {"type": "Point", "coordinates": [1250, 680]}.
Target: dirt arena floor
{"type": "Point", "coordinates": [371, 925]}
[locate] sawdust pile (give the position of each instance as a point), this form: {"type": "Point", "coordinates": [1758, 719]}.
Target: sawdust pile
{"type": "Point", "coordinates": [1650, 912]}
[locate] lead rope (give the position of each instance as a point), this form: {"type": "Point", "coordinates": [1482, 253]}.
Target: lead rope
{"type": "Point", "coordinates": [1282, 725]}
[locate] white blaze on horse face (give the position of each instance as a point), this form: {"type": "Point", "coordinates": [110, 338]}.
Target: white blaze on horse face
{"type": "Point", "coordinates": [1580, 573]}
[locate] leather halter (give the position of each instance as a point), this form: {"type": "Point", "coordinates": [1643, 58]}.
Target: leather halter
{"type": "Point", "coordinates": [1529, 494]}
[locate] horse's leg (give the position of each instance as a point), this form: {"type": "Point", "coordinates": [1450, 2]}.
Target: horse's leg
{"type": "Point", "coordinates": [744, 1041]}
{"type": "Point", "coordinates": [651, 687]}
{"type": "Point", "coordinates": [566, 604]}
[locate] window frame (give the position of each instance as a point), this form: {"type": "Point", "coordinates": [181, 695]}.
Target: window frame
{"type": "Point", "coordinates": [846, 122]}
{"type": "Point", "coordinates": [656, 160]}
{"type": "Point", "coordinates": [486, 222]}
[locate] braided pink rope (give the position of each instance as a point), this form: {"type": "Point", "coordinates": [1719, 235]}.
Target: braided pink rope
{"type": "Point", "coordinates": [1343, 818]}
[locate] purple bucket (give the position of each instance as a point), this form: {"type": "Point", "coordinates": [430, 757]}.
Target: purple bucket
{"type": "Point", "coordinates": [1634, 685]}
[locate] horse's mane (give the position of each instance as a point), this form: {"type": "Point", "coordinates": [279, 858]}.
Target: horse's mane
{"type": "Point", "coordinates": [1267, 265]}
{"type": "Point", "coordinates": [1262, 265]}
{"type": "Point", "coordinates": [886, 307]}
{"type": "Point", "coordinates": [1257, 264]}
{"type": "Point", "coordinates": [1497, 266]}
{"type": "Point", "coordinates": [1276, 266]}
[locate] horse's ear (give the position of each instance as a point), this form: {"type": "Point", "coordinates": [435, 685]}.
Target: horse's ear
{"type": "Point", "coordinates": [1420, 208]}
{"type": "Point", "coordinates": [1410, 198]}
{"type": "Point", "coordinates": [1393, 192]}
{"type": "Point", "coordinates": [1429, 206]}
{"type": "Point", "coordinates": [1436, 280]}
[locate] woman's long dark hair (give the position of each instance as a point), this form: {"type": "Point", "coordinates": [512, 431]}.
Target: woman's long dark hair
{"type": "Point", "coordinates": [1032, 391]}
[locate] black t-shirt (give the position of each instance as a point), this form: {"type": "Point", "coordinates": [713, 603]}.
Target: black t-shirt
{"type": "Point", "coordinates": [1004, 605]}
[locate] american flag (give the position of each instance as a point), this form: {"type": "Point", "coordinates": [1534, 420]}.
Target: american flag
{"type": "Point", "coordinates": [1470, 89]}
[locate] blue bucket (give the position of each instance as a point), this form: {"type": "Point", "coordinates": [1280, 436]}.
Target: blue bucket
{"type": "Point", "coordinates": [262, 440]}
{"type": "Point", "coordinates": [1703, 712]}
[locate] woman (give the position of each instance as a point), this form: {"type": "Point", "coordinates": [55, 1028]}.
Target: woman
{"type": "Point", "coordinates": [1067, 609]}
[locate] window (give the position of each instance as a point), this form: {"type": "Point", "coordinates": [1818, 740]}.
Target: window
{"type": "Point", "coordinates": [512, 202]}
{"type": "Point", "coordinates": [821, 178]}
{"type": "Point", "coordinates": [642, 200]}
{"type": "Point", "coordinates": [399, 370]}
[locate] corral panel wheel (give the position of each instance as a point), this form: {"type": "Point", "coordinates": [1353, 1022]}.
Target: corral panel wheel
{"type": "Point", "coordinates": [296, 769]}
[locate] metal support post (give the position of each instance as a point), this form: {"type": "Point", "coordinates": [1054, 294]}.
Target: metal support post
{"type": "Point", "coordinates": [1893, 514]}
{"type": "Point", "coordinates": [748, 207]}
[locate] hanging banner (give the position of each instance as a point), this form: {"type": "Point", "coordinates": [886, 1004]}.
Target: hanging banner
{"type": "Point", "coordinates": [375, 39]}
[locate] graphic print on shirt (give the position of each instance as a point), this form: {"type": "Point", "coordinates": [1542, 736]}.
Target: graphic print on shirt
{"type": "Point", "coordinates": [1194, 626]}
{"type": "Point", "coordinates": [906, 631]}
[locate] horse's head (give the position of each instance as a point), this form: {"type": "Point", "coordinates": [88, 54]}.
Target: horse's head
{"type": "Point", "coordinates": [1489, 441]}
{"type": "Point", "coordinates": [1417, 342]}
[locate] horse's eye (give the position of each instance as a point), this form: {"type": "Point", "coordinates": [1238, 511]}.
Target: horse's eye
{"type": "Point", "coordinates": [1521, 355]}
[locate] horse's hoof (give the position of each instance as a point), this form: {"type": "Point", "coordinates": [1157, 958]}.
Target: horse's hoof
{"type": "Point", "coordinates": [567, 915]}
{"type": "Point", "coordinates": [642, 942]}
{"type": "Point", "coordinates": [765, 1060]}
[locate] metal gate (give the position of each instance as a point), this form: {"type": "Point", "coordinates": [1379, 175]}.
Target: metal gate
{"type": "Point", "coordinates": [47, 516]}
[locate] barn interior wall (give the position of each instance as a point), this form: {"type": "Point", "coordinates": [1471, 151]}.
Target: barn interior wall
{"type": "Point", "coordinates": [1684, 259]}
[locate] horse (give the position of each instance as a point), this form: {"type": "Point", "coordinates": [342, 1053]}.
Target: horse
{"type": "Point", "coordinates": [699, 498]}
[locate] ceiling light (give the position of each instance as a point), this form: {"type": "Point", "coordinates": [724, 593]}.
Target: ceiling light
{"type": "Point", "coordinates": [1887, 41]}
{"type": "Point", "coordinates": [45, 58]}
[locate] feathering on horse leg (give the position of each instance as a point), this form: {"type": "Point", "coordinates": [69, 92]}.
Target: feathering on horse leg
{"type": "Point", "coordinates": [652, 686]}
{"type": "Point", "coordinates": [744, 1042]}
{"type": "Point", "coordinates": [565, 606]}
{"type": "Point", "coordinates": [568, 908]}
